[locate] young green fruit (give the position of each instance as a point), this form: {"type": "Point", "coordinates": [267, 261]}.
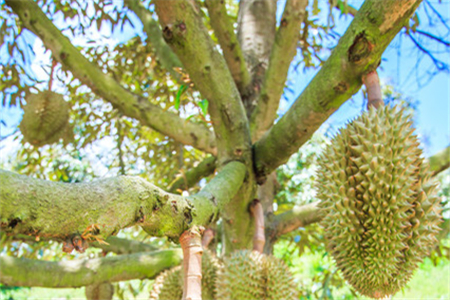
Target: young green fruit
{"type": "Point", "coordinates": [45, 119]}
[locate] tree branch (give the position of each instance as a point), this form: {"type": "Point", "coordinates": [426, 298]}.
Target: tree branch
{"type": "Point", "coordinates": [357, 53]}
{"type": "Point", "coordinates": [77, 273]}
{"type": "Point", "coordinates": [191, 177]}
{"type": "Point", "coordinates": [185, 32]}
{"type": "Point", "coordinates": [256, 34]}
{"type": "Point", "coordinates": [440, 161]}
{"type": "Point", "coordinates": [283, 51]}
{"type": "Point", "coordinates": [299, 216]}
{"type": "Point", "coordinates": [103, 207]}
{"type": "Point", "coordinates": [166, 56]}
{"type": "Point", "coordinates": [232, 52]}
{"type": "Point", "coordinates": [106, 87]}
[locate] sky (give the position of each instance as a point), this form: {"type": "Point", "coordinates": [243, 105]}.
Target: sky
{"type": "Point", "coordinates": [431, 118]}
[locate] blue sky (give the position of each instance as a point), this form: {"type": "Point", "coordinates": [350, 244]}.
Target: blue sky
{"type": "Point", "coordinates": [432, 115]}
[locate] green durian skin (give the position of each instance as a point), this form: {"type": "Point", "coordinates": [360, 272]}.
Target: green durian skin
{"type": "Point", "coordinates": [251, 275]}
{"type": "Point", "coordinates": [381, 209]}
{"type": "Point", "coordinates": [169, 284]}
{"type": "Point", "coordinates": [45, 119]}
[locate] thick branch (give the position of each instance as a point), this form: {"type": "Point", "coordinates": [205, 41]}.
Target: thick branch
{"type": "Point", "coordinates": [166, 57]}
{"type": "Point", "coordinates": [110, 204]}
{"type": "Point", "coordinates": [232, 52]}
{"type": "Point", "coordinates": [106, 87]}
{"type": "Point", "coordinates": [77, 273]}
{"type": "Point", "coordinates": [185, 32]}
{"type": "Point", "coordinates": [440, 161]}
{"type": "Point", "coordinates": [256, 34]}
{"type": "Point", "coordinates": [191, 177]}
{"type": "Point", "coordinates": [357, 53]}
{"type": "Point", "coordinates": [283, 51]}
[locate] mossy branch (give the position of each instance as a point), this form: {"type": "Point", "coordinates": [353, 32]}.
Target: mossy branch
{"type": "Point", "coordinates": [232, 52]}
{"type": "Point", "coordinates": [103, 207]}
{"type": "Point", "coordinates": [184, 31]}
{"type": "Point", "coordinates": [105, 86]}
{"type": "Point", "coordinates": [164, 53]}
{"type": "Point", "coordinates": [283, 52]}
{"type": "Point", "coordinates": [357, 53]}
{"type": "Point", "coordinates": [77, 273]}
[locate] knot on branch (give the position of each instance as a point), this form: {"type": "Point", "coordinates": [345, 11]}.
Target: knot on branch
{"type": "Point", "coordinates": [360, 49]}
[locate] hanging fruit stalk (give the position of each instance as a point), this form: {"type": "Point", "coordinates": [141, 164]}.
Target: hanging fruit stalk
{"type": "Point", "coordinates": [208, 236]}
{"type": "Point", "coordinates": [191, 243]}
{"type": "Point", "coordinates": [372, 83]}
{"type": "Point", "coordinates": [259, 238]}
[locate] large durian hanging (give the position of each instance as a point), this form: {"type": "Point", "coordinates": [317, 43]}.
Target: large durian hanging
{"type": "Point", "coordinates": [251, 275]}
{"type": "Point", "coordinates": [169, 284]}
{"type": "Point", "coordinates": [381, 210]}
{"type": "Point", "coordinates": [45, 119]}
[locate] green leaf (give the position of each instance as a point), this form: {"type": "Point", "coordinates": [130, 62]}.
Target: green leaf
{"type": "Point", "coordinates": [180, 92]}
{"type": "Point", "coordinates": [204, 106]}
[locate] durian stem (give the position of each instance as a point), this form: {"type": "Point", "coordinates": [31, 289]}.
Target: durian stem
{"type": "Point", "coordinates": [259, 238]}
{"type": "Point", "coordinates": [372, 83]}
{"type": "Point", "coordinates": [208, 236]}
{"type": "Point", "coordinates": [191, 243]}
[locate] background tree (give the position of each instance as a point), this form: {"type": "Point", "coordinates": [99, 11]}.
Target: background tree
{"type": "Point", "coordinates": [189, 106]}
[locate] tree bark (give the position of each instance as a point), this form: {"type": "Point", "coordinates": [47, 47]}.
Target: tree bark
{"type": "Point", "coordinates": [357, 53]}
{"type": "Point", "coordinates": [78, 273]}
{"type": "Point", "coordinates": [164, 53]}
{"type": "Point", "coordinates": [109, 204]}
{"type": "Point", "coordinates": [232, 52]}
{"type": "Point", "coordinates": [281, 56]}
{"type": "Point", "coordinates": [106, 87]}
{"type": "Point", "coordinates": [185, 32]}
{"type": "Point", "coordinates": [102, 291]}
{"type": "Point", "coordinates": [256, 33]}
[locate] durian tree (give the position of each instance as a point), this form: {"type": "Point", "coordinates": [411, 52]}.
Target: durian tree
{"type": "Point", "coordinates": [188, 110]}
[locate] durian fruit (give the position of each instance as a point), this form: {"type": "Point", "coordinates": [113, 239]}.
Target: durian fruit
{"type": "Point", "coordinates": [251, 275]}
{"type": "Point", "coordinates": [169, 284]}
{"type": "Point", "coordinates": [381, 210]}
{"type": "Point", "coordinates": [45, 119]}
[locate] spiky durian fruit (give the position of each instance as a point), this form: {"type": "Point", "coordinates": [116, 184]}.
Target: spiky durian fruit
{"type": "Point", "coordinates": [45, 118]}
{"type": "Point", "coordinates": [381, 209]}
{"type": "Point", "coordinates": [169, 284]}
{"type": "Point", "coordinates": [251, 275]}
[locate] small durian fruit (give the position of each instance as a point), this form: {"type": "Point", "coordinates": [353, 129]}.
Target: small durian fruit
{"type": "Point", "coordinates": [45, 119]}
{"type": "Point", "coordinates": [381, 212]}
{"type": "Point", "coordinates": [169, 284]}
{"type": "Point", "coordinates": [251, 275]}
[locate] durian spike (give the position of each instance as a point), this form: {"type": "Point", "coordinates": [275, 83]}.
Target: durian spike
{"type": "Point", "coordinates": [191, 243]}
{"type": "Point", "coordinates": [208, 236]}
{"type": "Point", "coordinates": [259, 238]}
{"type": "Point", "coordinates": [372, 83]}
